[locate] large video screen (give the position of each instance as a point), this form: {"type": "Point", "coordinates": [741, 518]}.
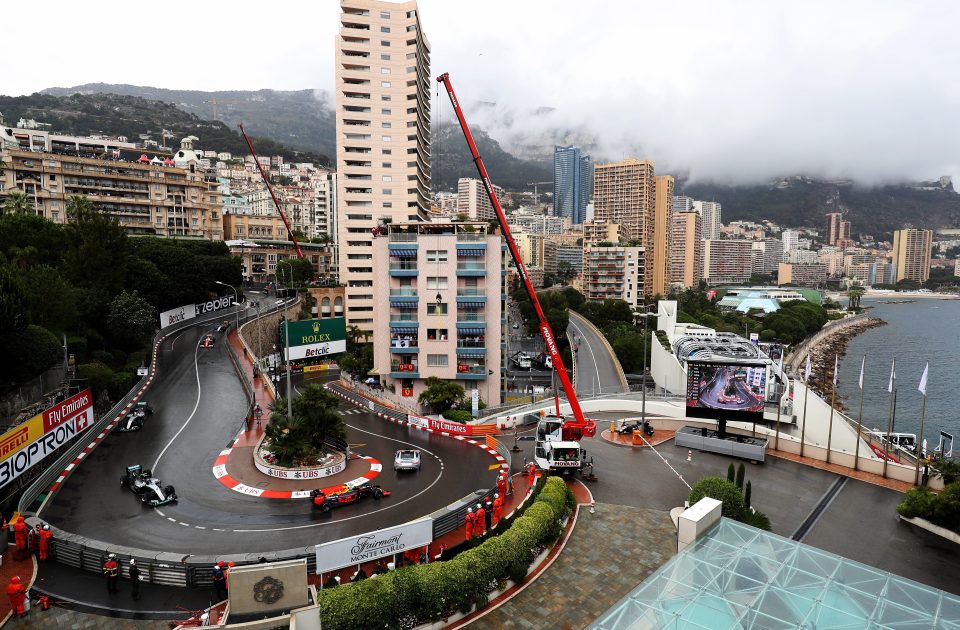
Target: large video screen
{"type": "Point", "coordinates": [728, 391]}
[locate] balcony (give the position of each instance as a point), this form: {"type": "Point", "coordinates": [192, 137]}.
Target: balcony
{"type": "Point", "coordinates": [404, 370]}
{"type": "Point", "coordinates": [404, 344]}
{"type": "Point", "coordinates": [472, 371]}
{"type": "Point", "coordinates": [471, 317]}
{"type": "Point", "coordinates": [403, 268]}
{"type": "Point", "coordinates": [403, 292]}
{"type": "Point", "coordinates": [406, 320]}
{"type": "Point", "coordinates": [471, 269]}
{"type": "Point", "coordinates": [403, 237]}
{"type": "Point", "coordinates": [472, 237]}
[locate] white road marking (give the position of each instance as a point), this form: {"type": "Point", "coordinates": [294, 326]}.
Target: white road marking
{"type": "Point", "coordinates": [350, 518]}
{"type": "Point", "coordinates": [196, 367]}
{"type": "Point", "coordinates": [595, 366]}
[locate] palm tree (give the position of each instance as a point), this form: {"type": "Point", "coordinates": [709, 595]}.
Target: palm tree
{"type": "Point", "coordinates": [853, 296]}
{"type": "Point", "coordinates": [17, 202]}
{"type": "Point", "coordinates": [354, 333]}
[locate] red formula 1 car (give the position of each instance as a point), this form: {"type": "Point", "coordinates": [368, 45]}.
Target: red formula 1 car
{"type": "Point", "coordinates": [346, 495]}
{"type": "Point", "coordinates": [207, 342]}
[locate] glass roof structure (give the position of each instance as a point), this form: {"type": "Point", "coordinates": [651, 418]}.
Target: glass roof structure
{"type": "Point", "coordinates": [737, 576]}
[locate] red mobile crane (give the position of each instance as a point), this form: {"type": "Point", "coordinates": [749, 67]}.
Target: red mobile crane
{"type": "Point", "coordinates": [566, 431]}
{"type": "Point", "coordinates": [266, 180]}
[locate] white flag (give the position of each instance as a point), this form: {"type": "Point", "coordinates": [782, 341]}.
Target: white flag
{"type": "Point", "coordinates": [806, 372]}
{"type": "Point", "coordinates": [893, 376]}
{"type": "Point", "coordinates": [923, 379]}
{"type": "Point", "coordinates": [835, 359]}
{"type": "Point", "coordinates": [862, 364]}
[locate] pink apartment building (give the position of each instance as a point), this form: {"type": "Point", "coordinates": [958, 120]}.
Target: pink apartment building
{"type": "Point", "coordinates": [438, 303]}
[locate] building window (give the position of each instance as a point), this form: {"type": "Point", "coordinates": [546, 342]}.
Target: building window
{"type": "Point", "coordinates": [387, 151]}
{"type": "Point", "coordinates": [438, 360]}
{"type": "Point", "coordinates": [385, 84]}
{"type": "Point", "coordinates": [436, 309]}
{"type": "Point", "coordinates": [387, 191]}
{"type": "Point", "coordinates": [386, 138]}
{"type": "Point", "coordinates": [436, 255]}
{"type": "Point", "coordinates": [385, 97]}
{"type": "Point", "coordinates": [388, 164]}
{"type": "Point", "coordinates": [434, 282]}
{"type": "Point", "coordinates": [384, 70]}
{"type": "Point", "coordinates": [437, 334]}
{"type": "Point", "coordinates": [384, 29]}
{"type": "Point", "coordinates": [386, 111]}
{"type": "Point", "coordinates": [387, 178]}
{"type": "Point", "coordinates": [385, 15]}
{"type": "Point", "coordinates": [384, 57]}
{"type": "Point", "coordinates": [387, 204]}
{"type": "Point", "coordinates": [384, 42]}
{"type": "Point", "coordinates": [387, 125]}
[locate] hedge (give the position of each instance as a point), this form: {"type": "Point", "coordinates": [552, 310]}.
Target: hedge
{"type": "Point", "coordinates": [940, 509]}
{"type": "Point", "coordinates": [430, 592]}
{"type": "Point", "coordinates": [458, 415]}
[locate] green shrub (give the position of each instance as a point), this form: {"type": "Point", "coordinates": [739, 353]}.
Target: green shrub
{"type": "Point", "coordinates": [431, 592]}
{"type": "Point", "coordinates": [723, 491]}
{"type": "Point", "coordinates": [946, 509]}
{"type": "Point", "coordinates": [77, 346]}
{"type": "Point", "coordinates": [757, 519]}
{"type": "Point", "coordinates": [741, 473]}
{"type": "Point", "coordinates": [731, 475]}
{"type": "Point", "coordinates": [458, 415]}
{"type": "Point", "coordinates": [917, 503]}
{"type": "Point", "coordinates": [98, 376]}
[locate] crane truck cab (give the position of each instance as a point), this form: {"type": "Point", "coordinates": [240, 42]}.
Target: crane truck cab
{"type": "Point", "coordinates": [554, 454]}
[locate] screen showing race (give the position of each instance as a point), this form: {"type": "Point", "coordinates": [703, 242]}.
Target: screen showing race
{"type": "Point", "coordinates": [725, 390]}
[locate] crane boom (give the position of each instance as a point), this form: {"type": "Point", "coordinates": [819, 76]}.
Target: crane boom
{"type": "Point", "coordinates": [579, 426]}
{"type": "Point", "coordinates": [266, 180]}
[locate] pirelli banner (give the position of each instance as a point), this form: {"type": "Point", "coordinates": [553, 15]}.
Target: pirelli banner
{"type": "Point", "coordinates": [29, 443]}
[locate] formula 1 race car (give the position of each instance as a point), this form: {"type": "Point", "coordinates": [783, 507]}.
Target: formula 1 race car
{"type": "Point", "coordinates": [133, 421]}
{"type": "Point", "coordinates": [207, 342]}
{"type": "Point", "coordinates": [147, 487]}
{"type": "Point", "coordinates": [346, 495]}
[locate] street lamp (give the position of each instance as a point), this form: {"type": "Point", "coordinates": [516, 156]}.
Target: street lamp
{"type": "Point", "coordinates": [286, 340]}
{"type": "Point", "coordinates": [236, 300]}
{"type": "Point", "coordinates": [644, 314]}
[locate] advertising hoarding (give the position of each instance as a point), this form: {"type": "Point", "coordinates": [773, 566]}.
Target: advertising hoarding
{"type": "Point", "coordinates": [29, 443]}
{"type": "Point", "coordinates": [372, 545]}
{"type": "Point", "coordinates": [728, 391]}
{"type": "Point", "coordinates": [189, 311]}
{"type": "Point", "coordinates": [313, 338]}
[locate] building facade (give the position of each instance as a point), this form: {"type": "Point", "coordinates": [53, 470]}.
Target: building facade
{"type": "Point", "coordinates": [911, 254]}
{"type": "Point", "coordinates": [710, 213]}
{"type": "Point", "coordinates": [613, 273]}
{"type": "Point", "coordinates": [802, 274]}
{"type": "Point", "coordinates": [473, 202]}
{"type": "Point", "coordinates": [572, 183]}
{"type": "Point", "coordinates": [439, 307]}
{"type": "Point", "coordinates": [383, 87]}
{"type": "Point", "coordinates": [686, 249]}
{"type": "Point", "coordinates": [146, 195]}
{"type": "Point", "coordinates": [727, 261]}
{"type": "Point", "coordinates": [660, 246]}
{"type": "Point", "coordinates": [600, 231]}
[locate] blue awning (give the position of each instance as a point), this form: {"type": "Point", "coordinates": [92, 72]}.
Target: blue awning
{"type": "Point", "coordinates": [470, 251]}
{"type": "Point", "coordinates": [403, 253]}
{"type": "Point", "coordinates": [406, 305]}
{"type": "Point", "coordinates": [470, 304]}
{"type": "Point", "coordinates": [470, 331]}
{"type": "Point", "coordinates": [400, 328]}
{"type": "Point", "coordinates": [472, 352]}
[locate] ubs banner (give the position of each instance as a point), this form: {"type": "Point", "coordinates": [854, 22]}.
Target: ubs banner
{"type": "Point", "coordinates": [370, 546]}
{"type": "Point", "coordinates": [27, 444]}
{"type": "Point", "coordinates": [189, 311]}
{"type": "Point", "coordinates": [313, 338]}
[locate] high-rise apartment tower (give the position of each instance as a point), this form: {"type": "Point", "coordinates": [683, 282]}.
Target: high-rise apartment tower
{"type": "Point", "coordinates": [383, 92]}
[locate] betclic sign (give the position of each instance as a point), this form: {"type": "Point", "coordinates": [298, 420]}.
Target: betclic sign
{"type": "Point", "coordinates": [29, 443]}
{"type": "Point", "coordinates": [189, 311]}
{"type": "Point", "coordinates": [312, 338]}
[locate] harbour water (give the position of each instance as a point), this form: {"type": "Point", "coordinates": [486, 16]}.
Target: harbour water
{"type": "Point", "coordinates": [916, 332]}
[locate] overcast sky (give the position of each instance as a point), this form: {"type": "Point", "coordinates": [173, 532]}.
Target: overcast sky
{"type": "Point", "coordinates": [720, 90]}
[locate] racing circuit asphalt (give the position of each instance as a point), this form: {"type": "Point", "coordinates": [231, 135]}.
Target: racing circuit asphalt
{"type": "Point", "coordinates": [186, 433]}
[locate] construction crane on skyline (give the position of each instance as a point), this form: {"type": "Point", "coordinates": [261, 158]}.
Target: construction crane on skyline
{"type": "Point", "coordinates": [536, 193]}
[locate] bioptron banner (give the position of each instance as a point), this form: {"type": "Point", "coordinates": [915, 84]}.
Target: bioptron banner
{"type": "Point", "coordinates": [312, 338]}
{"type": "Point", "coordinates": [27, 444]}
{"type": "Point", "coordinates": [189, 311]}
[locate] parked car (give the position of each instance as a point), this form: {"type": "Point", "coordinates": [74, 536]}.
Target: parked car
{"type": "Point", "coordinates": [407, 459]}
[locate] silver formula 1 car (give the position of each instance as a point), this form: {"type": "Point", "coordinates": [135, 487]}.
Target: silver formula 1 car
{"type": "Point", "coordinates": [147, 487]}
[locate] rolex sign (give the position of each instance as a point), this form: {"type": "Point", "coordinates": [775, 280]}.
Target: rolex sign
{"type": "Point", "coordinates": [312, 338]}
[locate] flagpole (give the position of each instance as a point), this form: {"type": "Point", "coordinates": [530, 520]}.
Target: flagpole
{"type": "Point", "coordinates": [833, 402]}
{"type": "Point", "coordinates": [886, 442]}
{"type": "Point", "coordinates": [856, 452]}
{"type": "Point", "coordinates": [806, 394]}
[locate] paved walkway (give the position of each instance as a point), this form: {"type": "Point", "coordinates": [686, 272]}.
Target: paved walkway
{"type": "Point", "coordinates": [877, 480]}
{"type": "Point", "coordinates": [608, 555]}
{"type": "Point", "coordinates": [64, 619]}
